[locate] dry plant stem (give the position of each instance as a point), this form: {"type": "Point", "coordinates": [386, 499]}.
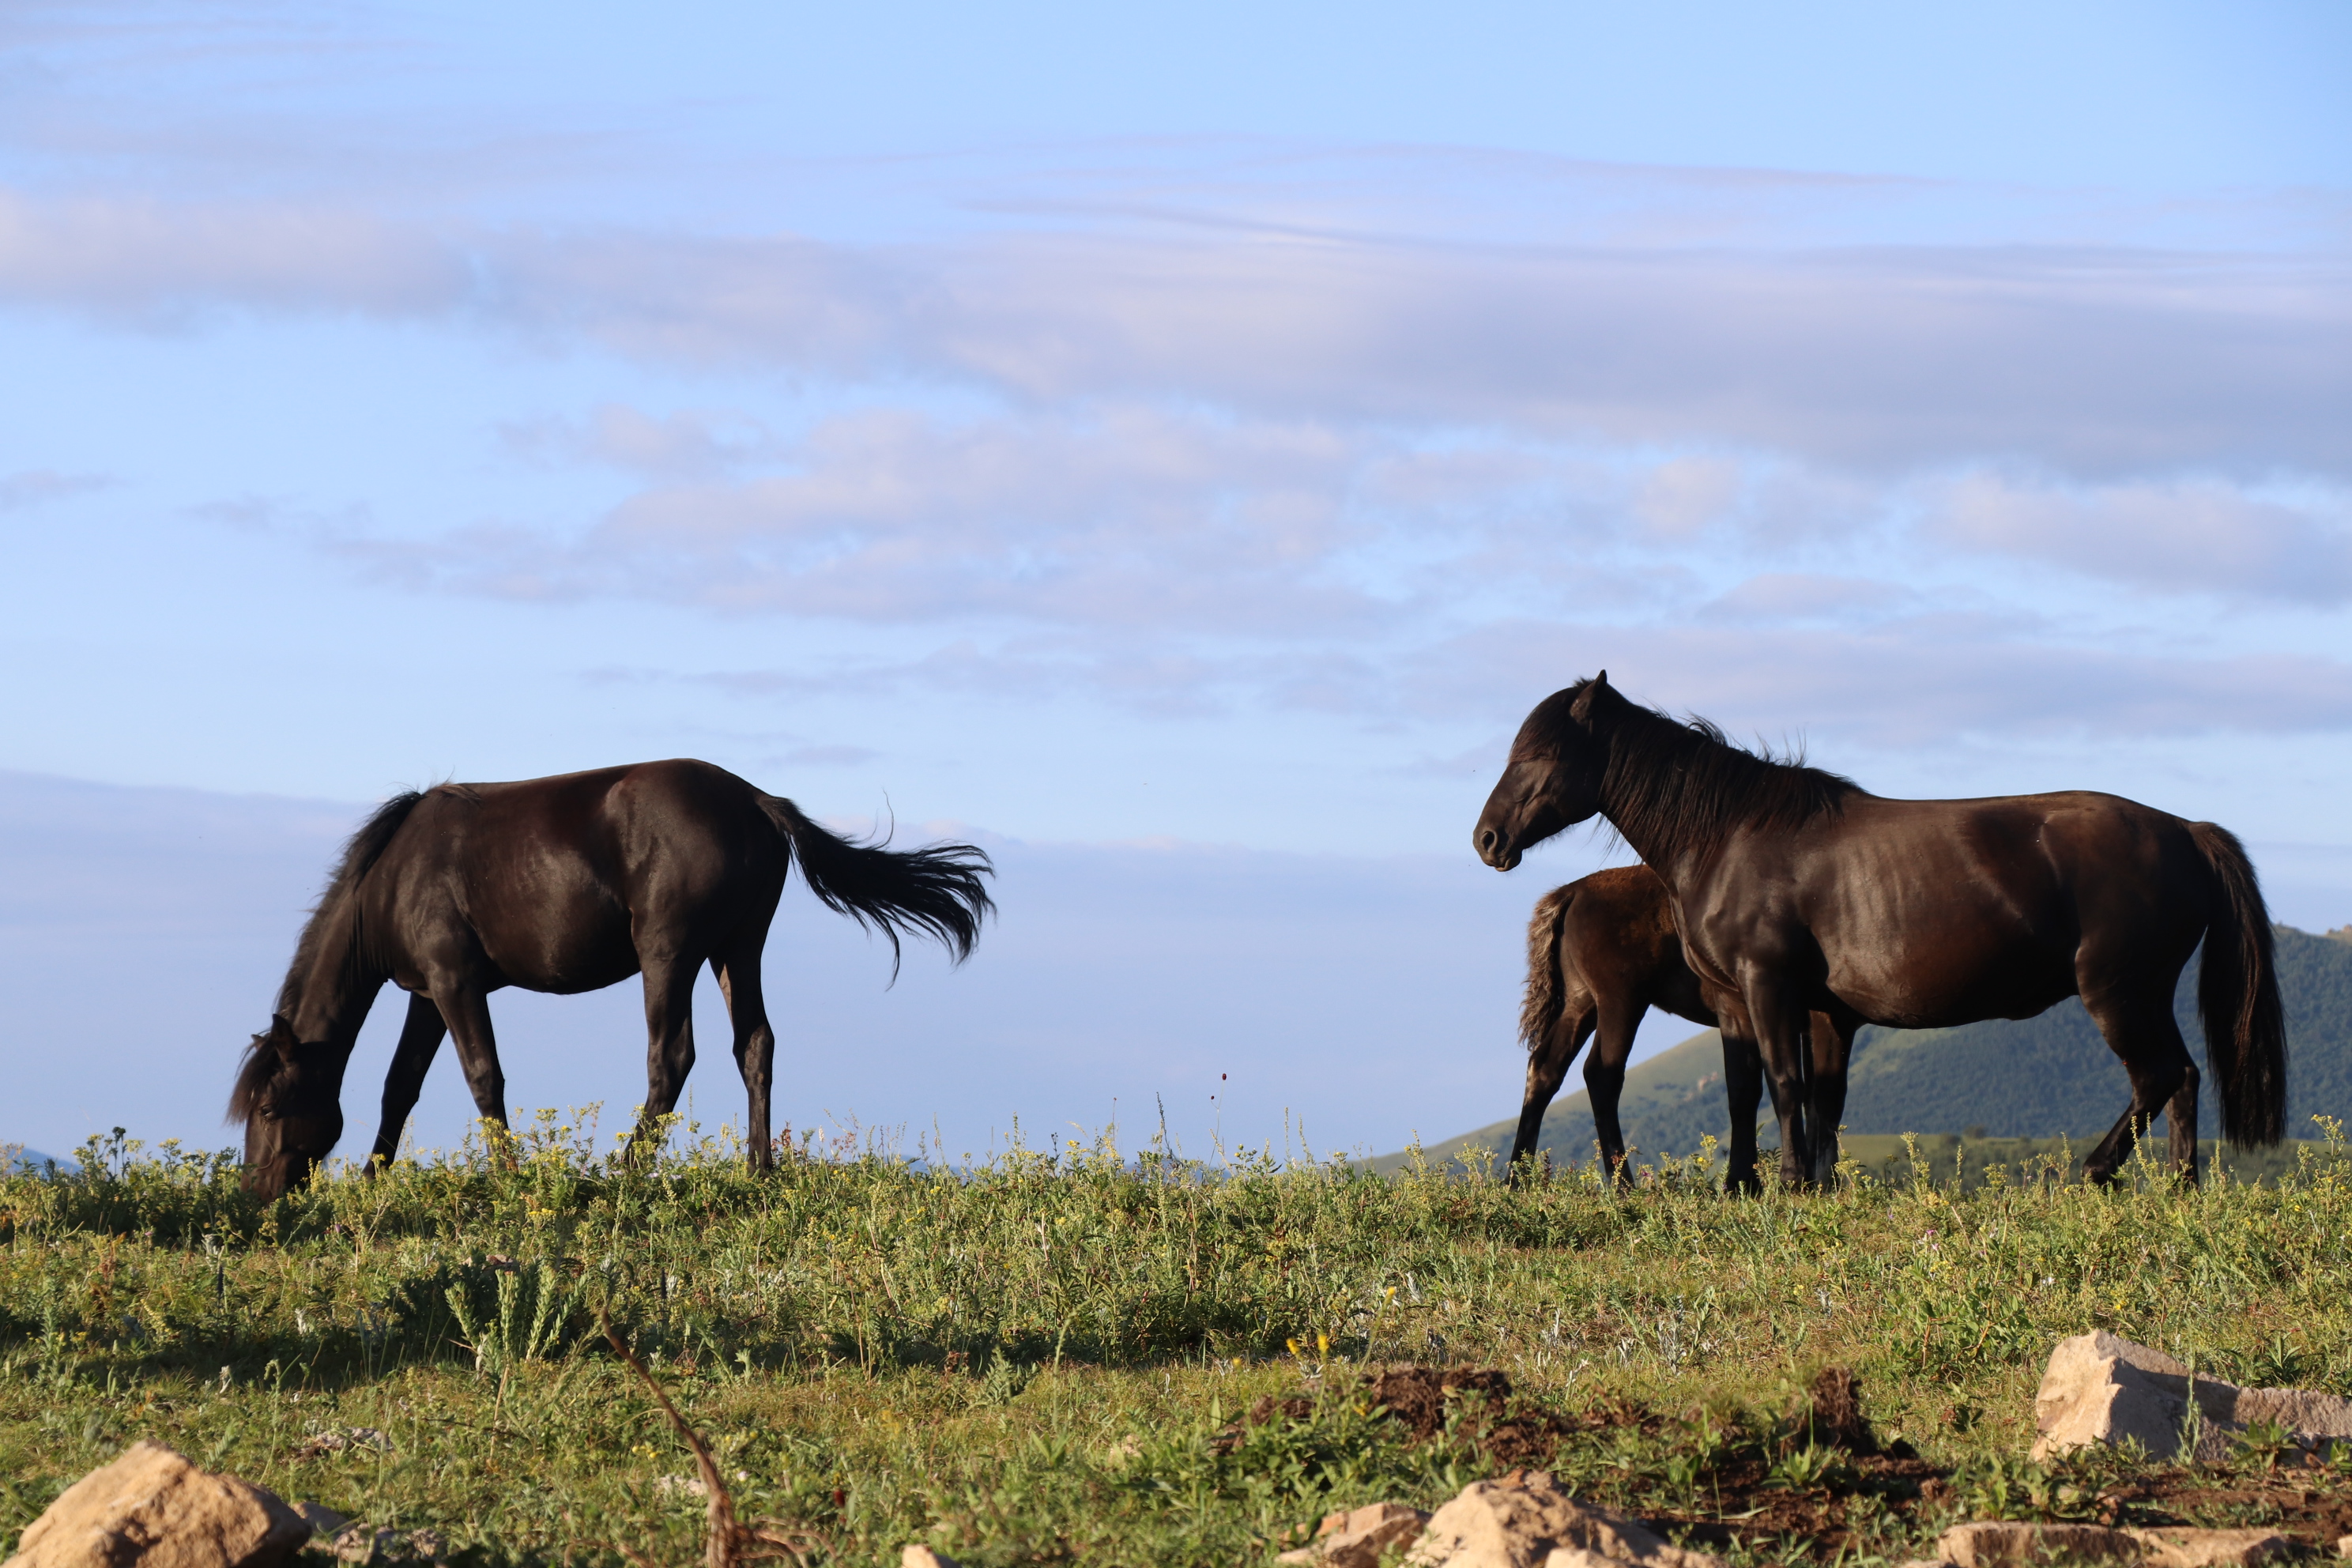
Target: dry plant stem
{"type": "Point", "coordinates": [726, 1542]}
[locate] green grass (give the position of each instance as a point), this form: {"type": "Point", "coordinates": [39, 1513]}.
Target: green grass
{"type": "Point", "coordinates": [1033, 1362]}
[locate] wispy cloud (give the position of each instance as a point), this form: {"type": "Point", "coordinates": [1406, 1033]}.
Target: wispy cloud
{"type": "Point", "coordinates": [2092, 362]}
{"type": "Point", "coordinates": [38, 486]}
{"type": "Point", "coordinates": [2180, 535]}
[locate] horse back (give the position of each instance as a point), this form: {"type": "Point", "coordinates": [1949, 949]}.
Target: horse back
{"type": "Point", "coordinates": [554, 884]}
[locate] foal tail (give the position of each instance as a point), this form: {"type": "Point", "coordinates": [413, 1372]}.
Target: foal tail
{"type": "Point", "coordinates": [1540, 1009]}
{"type": "Point", "coordinates": [2238, 996]}
{"type": "Point", "coordinates": [935, 892]}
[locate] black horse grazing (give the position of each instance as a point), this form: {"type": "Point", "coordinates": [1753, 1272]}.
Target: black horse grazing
{"type": "Point", "coordinates": [1796, 890]}
{"type": "Point", "coordinates": [563, 884]}
{"type": "Point", "coordinates": [1601, 951]}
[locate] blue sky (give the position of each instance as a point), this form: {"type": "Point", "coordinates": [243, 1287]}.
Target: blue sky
{"type": "Point", "coordinates": [1207, 430]}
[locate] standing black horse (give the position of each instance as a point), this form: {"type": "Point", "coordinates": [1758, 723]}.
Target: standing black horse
{"type": "Point", "coordinates": [1797, 890]}
{"type": "Point", "coordinates": [1601, 951]}
{"type": "Point", "coordinates": [563, 884]}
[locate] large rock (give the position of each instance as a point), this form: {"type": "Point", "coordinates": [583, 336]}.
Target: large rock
{"type": "Point", "coordinates": [2185, 1548]}
{"type": "Point", "coordinates": [1525, 1520]}
{"type": "Point", "coordinates": [1356, 1538]}
{"type": "Point", "coordinates": [2002, 1544]}
{"type": "Point", "coordinates": [2008, 1543]}
{"type": "Point", "coordinates": [152, 1509]}
{"type": "Point", "coordinates": [2102, 1389]}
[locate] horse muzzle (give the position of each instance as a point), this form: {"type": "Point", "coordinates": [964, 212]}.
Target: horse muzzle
{"type": "Point", "coordinates": [1496, 849]}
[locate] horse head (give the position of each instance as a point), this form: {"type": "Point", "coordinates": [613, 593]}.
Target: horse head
{"type": "Point", "coordinates": [289, 1096]}
{"type": "Point", "coordinates": [1553, 777]}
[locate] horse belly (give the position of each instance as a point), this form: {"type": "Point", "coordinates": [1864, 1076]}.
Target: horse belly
{"type": "Point", "coordinates": [1935, 976]}
{"type": "Point", "coordinates": [576, 942]}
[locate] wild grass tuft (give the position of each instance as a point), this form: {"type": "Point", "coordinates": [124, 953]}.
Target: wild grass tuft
{"type": "Point", "coordinates": [1044, 1358]}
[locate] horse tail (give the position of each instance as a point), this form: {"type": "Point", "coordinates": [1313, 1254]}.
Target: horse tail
{"type": "Point", "coordinates": [2238, 996]}
{"type": "Point", "coordinates": [1540, 1009]}
{"type": "Point", "coordinates": [935, 892]}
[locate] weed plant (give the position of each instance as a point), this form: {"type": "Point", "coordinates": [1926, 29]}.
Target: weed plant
{"type": "Point", "coordinates": [1044, 1358]}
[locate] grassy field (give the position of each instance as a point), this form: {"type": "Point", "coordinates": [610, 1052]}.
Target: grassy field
{"type": "Point", "coordinates": [1081, 1354]}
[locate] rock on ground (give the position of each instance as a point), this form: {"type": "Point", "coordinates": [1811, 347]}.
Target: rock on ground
{"type": "Point", "coordinates": [153, 1508]}
{"type": "Point", "coordinates": [1525, 1520]}
{"type": "Point", "coordinates": [2012, 1544]}
{"type": "Point", "coordinates": [1355, 1539]}
{"type": "Point", "coordinates": [2102, 1389]}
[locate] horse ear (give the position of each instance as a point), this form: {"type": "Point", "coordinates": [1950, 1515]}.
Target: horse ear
{"type": "Point", "coordinates": [282, 1038]}
{"type": "Point", "coordinates": [1582, 709]}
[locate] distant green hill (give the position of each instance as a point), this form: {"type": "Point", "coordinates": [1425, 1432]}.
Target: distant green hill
{"type": "Point", "coordinates": [2034, 1078]}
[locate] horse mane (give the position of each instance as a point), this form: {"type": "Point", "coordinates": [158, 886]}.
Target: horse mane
{"type": "Point", "coordinates": [360, 851]}
{"type": "Point", "coordinates": [1680, 787]}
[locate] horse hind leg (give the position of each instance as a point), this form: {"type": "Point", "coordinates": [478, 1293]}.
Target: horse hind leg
{"type": "Point", "coordinates": [2142, 1031]}
{"type": "Point", "coordinates": [1547, 1070]}
{"type": "Point", "coordinates": [1604, 1078]}
{"type": "Point", "coordinates": [669, 1043]}
{"type": "Point", "coordinates": [755, 1047]}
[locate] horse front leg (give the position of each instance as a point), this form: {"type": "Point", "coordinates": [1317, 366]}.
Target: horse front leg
{"type": "Point", "coordinates": [1831, 1040]}
{"type": "Point", "coordinates": [420, 1042]}
{"type": "Point", "coordinates": [1783, 1038]}
{"type": "Point", "coordinates": [467, 1010]}
{"type": "Point", "coordinates": [1743, 1090]}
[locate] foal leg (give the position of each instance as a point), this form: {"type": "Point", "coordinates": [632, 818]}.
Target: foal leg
{"type": "Point", "coordinates": [420, 1041]}
{"type": "Point", "coordinates": [2141, 1030]}
{"type": "Point", "coordinates": [1604, 1078]}
{"type": "Point", "coordinates": [755, 1046]}
{"type": "Point", "coordinates": [670, 1040]}
{"type": "Point", "coordinates": [1547, 1069]}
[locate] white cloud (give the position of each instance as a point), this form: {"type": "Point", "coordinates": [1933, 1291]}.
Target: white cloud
{"type": "Point", "coordinates": [1924, 680]}
{"type": "Point", "coordinates": [2198, 536]}
{"type": "Point", "coordinates": [1881, 358]}
{"type": "Point", "coordinates": [157, 263]}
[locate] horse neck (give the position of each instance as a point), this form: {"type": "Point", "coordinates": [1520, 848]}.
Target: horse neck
{"type": "Point", "coordinates": [335, 980]}
{"type": "Point", "coordinates": [1646, 820]}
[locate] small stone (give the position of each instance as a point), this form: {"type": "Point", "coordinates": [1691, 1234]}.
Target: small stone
{"type": "Point", "coordinates": [2184, 1548]}
{"type": "Point", "coordinates": [322, 1520]}
{"type": "Point", "coordinates": [358, 1544]}
{"type": "Point", "coordinates": [915, 1554]}
{"type": "Point", "coordinates": [2002, 1544]}
{"type": "Point", "coordinates": [1525, 1520]}
{"type": "Point", "coordinates": [1355, 1539]}
{"type": "Point", "coordinates": [2344, 1546]}
{"type": "Point", "coordinates": [152, 1509]}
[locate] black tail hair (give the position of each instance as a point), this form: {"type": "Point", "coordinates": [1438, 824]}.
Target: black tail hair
{"type": "Point", "coordinates": [1540, 1008]}
{"type": "Point", "coordinates": [935, 891]}
{"type": "Point", "coordinates": [2238, 997]}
